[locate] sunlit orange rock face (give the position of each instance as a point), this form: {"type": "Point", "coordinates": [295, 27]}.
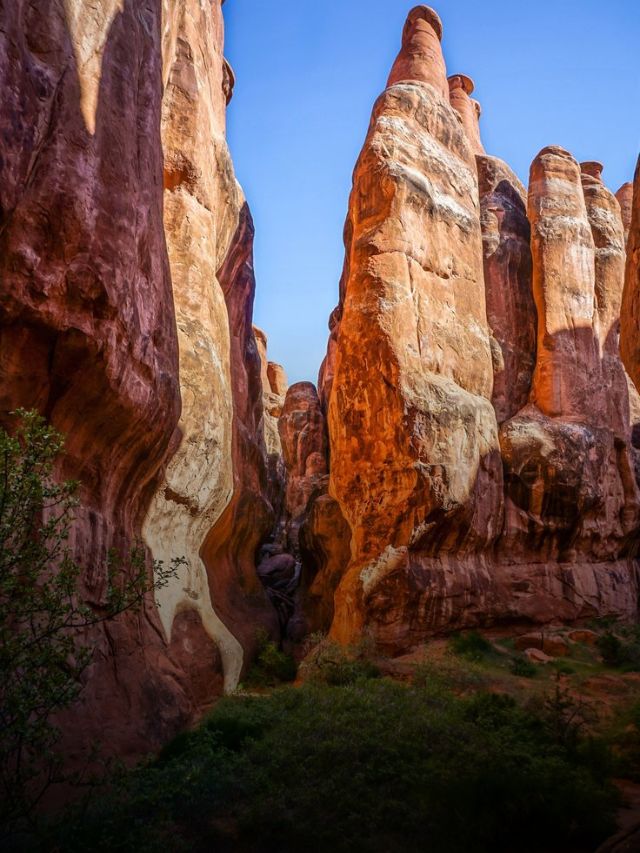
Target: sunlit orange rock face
{"type": "Point", "coordinates": [415, 462]}
{"type": "Point", "coordinates": [125, 317]}
{"type": "Point", "coordinates": [464, 306]}
{"type": "Point", "coordinates": [630, 318]}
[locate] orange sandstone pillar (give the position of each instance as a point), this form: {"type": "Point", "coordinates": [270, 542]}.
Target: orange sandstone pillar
{"type": "Point", "coordinates": [420, 58]}
{"type": "Point", "coordinates": [469, 110]}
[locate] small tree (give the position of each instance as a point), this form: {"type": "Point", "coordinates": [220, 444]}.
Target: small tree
{"type": "Point", "coordinates": [42, 613]}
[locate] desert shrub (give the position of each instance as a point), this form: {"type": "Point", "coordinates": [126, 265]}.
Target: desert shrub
{"type": "Point", "coordinates": [620, 652]}
{"type": "Point", "coordinates": [372, 766]}
{"type": "Point", "coordinates": [450, 674]}
{"type": "Point", "coordinates": [337, 666]}
{"type": "Point", "coordinates": [523, 667]}
{"type": "Point", "coordinates": [471, 645]}
{"type": "Point", "coordinates": [271, 665]}
{"type": "Point", "coordinates": [611, 649]}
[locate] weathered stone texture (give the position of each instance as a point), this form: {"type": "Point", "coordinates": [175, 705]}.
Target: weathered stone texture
{"type": "Point", "coordinates": [625, 199]}
{"type": "Point", "coordinates": [87, 324]}
{"type": "Point", "coordinates": [630, 317]}
{"type": "Point", "coordinates": [313, 528]}
{"type": "Point", "coordinates": [213, 507]}
{"type": "Point", "coordinates": [460, 90]}
{"type": "Point", "coordinates": [415, 464]}
{"type": "Point", "coordinates": [118, 299]}
{"type": "Point", "coordinates": [413, 435]}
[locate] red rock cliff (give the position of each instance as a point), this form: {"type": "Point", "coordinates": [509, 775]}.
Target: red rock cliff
{"type": "Point", "coordinates": [414, 451]}
{"type": "Point", "coordinates": [630, 327]}
{"type": "Point", "coordinates": [434, 264]}
{"type": "Point", "coordinates": [127, 287]}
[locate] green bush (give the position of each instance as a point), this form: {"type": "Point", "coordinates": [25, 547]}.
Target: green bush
{"type": "Point", "coordinates": [522, 666]}
{"type": "Point", "coordinates": [271, 665]}
{"type": "Point", "coordinates": [562, 667]}
{"type": "Point", "coordinates": [334, 665]}
{"type": "Point", "coordinates": [624, 736]}
{"type": "Point", "coordinates": [471, 645]}
{"type": "Point", "coordinates": [374, 766]}
{"type": "Point", "coordinates": [450, 674]}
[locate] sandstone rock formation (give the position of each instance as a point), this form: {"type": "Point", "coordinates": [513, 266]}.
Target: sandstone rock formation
{"type": "Point", "coordinates": [630, 317]}
{"type": "Point", "coordinates": [570, 481]}
{"type": "Point", "coordinates": [87, 324]}
{"type": "Point", "coordinates": [625, 198]}
{"type": "Point", "coordinates": [468, 458]}
{"type": "Point", "coordinates": [506, 234]}
{"type": "Point", "coordinates": [408, 382]}
{"type": "Point", "coordinates": [229, 549]}
{"type": "Point", "coordinates": [304, 443]}
{"type": "Point", "coordinates": [511, 311]}
{"type": "Point", "coordinates": [117, 300]}
{"type": "Point", "coordinates": [460, 90]}
{"type": "Point", "coordinates": [314, 529]}
{"type": "Point", "coordinates": [274, 388]}
{"type": "Point", "coordinates": [414, 448]}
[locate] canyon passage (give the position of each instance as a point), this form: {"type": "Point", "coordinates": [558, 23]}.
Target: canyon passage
{"type": "Point", "coordinates": [469, 458]}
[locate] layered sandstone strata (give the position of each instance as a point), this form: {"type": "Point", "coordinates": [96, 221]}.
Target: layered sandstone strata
{"type": "Point", "coordinates": [212, 507]}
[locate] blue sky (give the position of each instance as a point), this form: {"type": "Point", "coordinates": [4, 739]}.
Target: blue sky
{"type": "Point", "coordinates": [563, 72]}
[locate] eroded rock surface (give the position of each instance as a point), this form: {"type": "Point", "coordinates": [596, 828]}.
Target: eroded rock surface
{"type": "Point", "coordinates": [127, 288]}
{"type": "Point", "coordinates": [274, 388]}
{"type": "Point", "coordinates": [409, 378]}
{"type": "Point", "coordinates": [625, 199]}
{"type": "Point", "coordinates": [460, 90]}
{"type": "Point", "coordinates": [214, 506]}
{"type": "Point", "coordinates": [413, 435]}
{"type": "Point", "coordinates": [511, 311]}
{"type": "Point", "coordinates": [314, 527]}
{"type": "Point", "coordinates": [571, 485]}
{"type": "Point", "coordinates": [87, 323]}
{"type": "Point", "coordinates": [468, 457]}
